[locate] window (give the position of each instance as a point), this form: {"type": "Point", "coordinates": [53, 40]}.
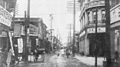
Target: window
{"type": "Point", "coordinates": [94, 17]}
{"type": "Point", "coordinates": [88, 16]}
{"type": "Point", "coordinates": [103, 16]}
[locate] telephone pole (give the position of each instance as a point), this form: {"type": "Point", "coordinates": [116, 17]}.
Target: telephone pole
{"type": "Point", "coordinates": [74, 13]}
{"type": "Point", "coordinates": [70, 34]}
{"type": "Point", "coordinates": [51, 19]}
{"type": "Point", "coordinates": [96, 44]}
{"type": "Point", "coordinates": [27, 21]}
{"type": "Point", "coordinates": [108, 44]}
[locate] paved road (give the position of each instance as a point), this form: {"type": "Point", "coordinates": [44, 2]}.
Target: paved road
{"type": "Point", "coordinates": [56, 61]}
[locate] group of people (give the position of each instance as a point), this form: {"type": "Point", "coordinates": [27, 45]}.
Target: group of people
{"type": "Point", "coordinates": [66, 52]}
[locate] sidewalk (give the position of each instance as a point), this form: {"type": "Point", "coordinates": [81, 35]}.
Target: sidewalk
{"type": "Point", "coordinates": [90, 60]}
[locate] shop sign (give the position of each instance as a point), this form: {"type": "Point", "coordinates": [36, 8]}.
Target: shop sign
{"type": "Point", "coordinates": [22, 30]}
{"type": "Point", "coordinates": [83, 33]}
{"type": "Point", "coordinates": [99, 30]}
{"type": "Point", "coordinates": [20, 45]}
{"type": "Point", "coordinates": [33, 30]}
{"type": "Point", "coordinates": [115, 14]}
{"type": "Point", "coordinates": [5, 17]}
{"type": "Point", "coordinates": [91, 30]}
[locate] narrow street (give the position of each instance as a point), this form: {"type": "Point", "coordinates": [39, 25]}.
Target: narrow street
{"type": "Point", "coordinates": [59, 33]}
{"type": "Point", "coordinates": [56, 61]}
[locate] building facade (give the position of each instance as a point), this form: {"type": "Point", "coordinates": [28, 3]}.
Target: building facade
{"type": "Point", "coordinates": [37, 35]}
{"type": "Point", "coordinates": [115, 26]}
{"type": "Point", "coordinates": [6, 7]}
{"type": "Point", "coordinates": [87, 24]}
{"type": "Point", "coordinates": [90, 9]}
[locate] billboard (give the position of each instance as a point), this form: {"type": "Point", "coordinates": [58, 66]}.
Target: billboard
{"type": "Point", "coordinates": [5, 17]}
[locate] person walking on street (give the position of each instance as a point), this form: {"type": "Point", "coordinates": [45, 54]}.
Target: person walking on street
{"type": "Point", "coordinates": [67, 53]}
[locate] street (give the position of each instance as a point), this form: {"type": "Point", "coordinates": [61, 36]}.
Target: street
{"type": "Point", "coordinates": [59, 33]}
{"type": "Point", "coordinates": [56, 61]}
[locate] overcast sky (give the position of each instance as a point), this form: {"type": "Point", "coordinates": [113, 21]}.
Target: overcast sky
{"type": "Point", "coordinates": [61, 17]}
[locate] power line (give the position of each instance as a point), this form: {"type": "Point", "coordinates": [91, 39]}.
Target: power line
{"type": "Point", "coordinates": [54, 14]}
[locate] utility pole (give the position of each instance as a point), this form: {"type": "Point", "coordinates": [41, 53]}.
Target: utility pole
{"type": "Point", "coordinates": [24, 47]}
{"type": "Point", "coordinates": [70, 34]}
{"type": "Point", "coordinates": [27, 20]}
{"type": "Point", "coordinates": [108, 44]}
{"type": "Point", "coordinates": [74, 13]}
{"type": "Point", "coordinates": [96, 22]}
{"type": "Point", "coordinates": [51, 19]}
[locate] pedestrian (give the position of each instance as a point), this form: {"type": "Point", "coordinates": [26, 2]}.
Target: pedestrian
{"type": "Point", "coordinates": [116, 55]}
{"type": "Point", "coordinates": [67, 53]}
{"type": "Point", "coordinates": [58, 54]}
{"type": "Point", "coordinates": [117, 59]}
{"type": "Point", "coordinates": [35, 55]}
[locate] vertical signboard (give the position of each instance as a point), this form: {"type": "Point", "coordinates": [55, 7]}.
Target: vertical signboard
{"type": "Point", "coordinates": [20, 45]}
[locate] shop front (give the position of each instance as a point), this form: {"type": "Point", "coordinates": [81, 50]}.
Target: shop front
{"type": "Point", "coordinates": [96, 40]}
{"type": "Point", "coordinates": [115, 30]}
{"type": "Point", "coordinates": [5, 43]}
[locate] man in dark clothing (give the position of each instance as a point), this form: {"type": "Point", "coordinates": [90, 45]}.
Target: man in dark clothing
{"type": "Point", "coordinates": [67, 53]}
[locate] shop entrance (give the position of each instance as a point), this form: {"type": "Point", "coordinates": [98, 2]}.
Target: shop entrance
{"type": "Point", "coordinates": [99, 42]}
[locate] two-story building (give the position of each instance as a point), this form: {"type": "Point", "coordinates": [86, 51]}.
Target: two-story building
{"type": "Point", "coordinates": [5, 20]}
{"type": "Point", "coordinates": [37, 34]}
{"type": "Point", "coordinates": [6, 7]}
{"type": "Point", "coordinates": [115, 26]}
{"type": "Point", "coordinates": [88, 41]}
{"type": "Point", "coordinates": [87, 24]}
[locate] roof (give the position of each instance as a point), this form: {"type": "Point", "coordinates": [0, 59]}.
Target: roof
{"type": "Point", "coordinates": [31, 19]}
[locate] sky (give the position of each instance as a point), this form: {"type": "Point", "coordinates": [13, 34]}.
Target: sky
{"type": "Point", "coordinates": [61, 17]}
